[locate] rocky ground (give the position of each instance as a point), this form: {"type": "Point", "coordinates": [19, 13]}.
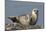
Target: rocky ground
{"type": "Point", "coordinates": [16, 26]}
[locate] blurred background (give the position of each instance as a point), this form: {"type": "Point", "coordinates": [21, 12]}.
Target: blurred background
{"type": "Point", "coordinates": [16, 8]}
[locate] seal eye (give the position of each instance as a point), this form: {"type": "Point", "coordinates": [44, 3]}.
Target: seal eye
{"type": "Point", "coordinates": [35, 11]}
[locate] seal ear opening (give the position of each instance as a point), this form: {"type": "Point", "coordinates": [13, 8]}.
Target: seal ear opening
{"type": "Point", "coordinates": [14, 19]}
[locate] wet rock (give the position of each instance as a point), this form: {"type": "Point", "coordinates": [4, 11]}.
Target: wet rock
{"type": "Point", "coordinates": [16, 26]}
